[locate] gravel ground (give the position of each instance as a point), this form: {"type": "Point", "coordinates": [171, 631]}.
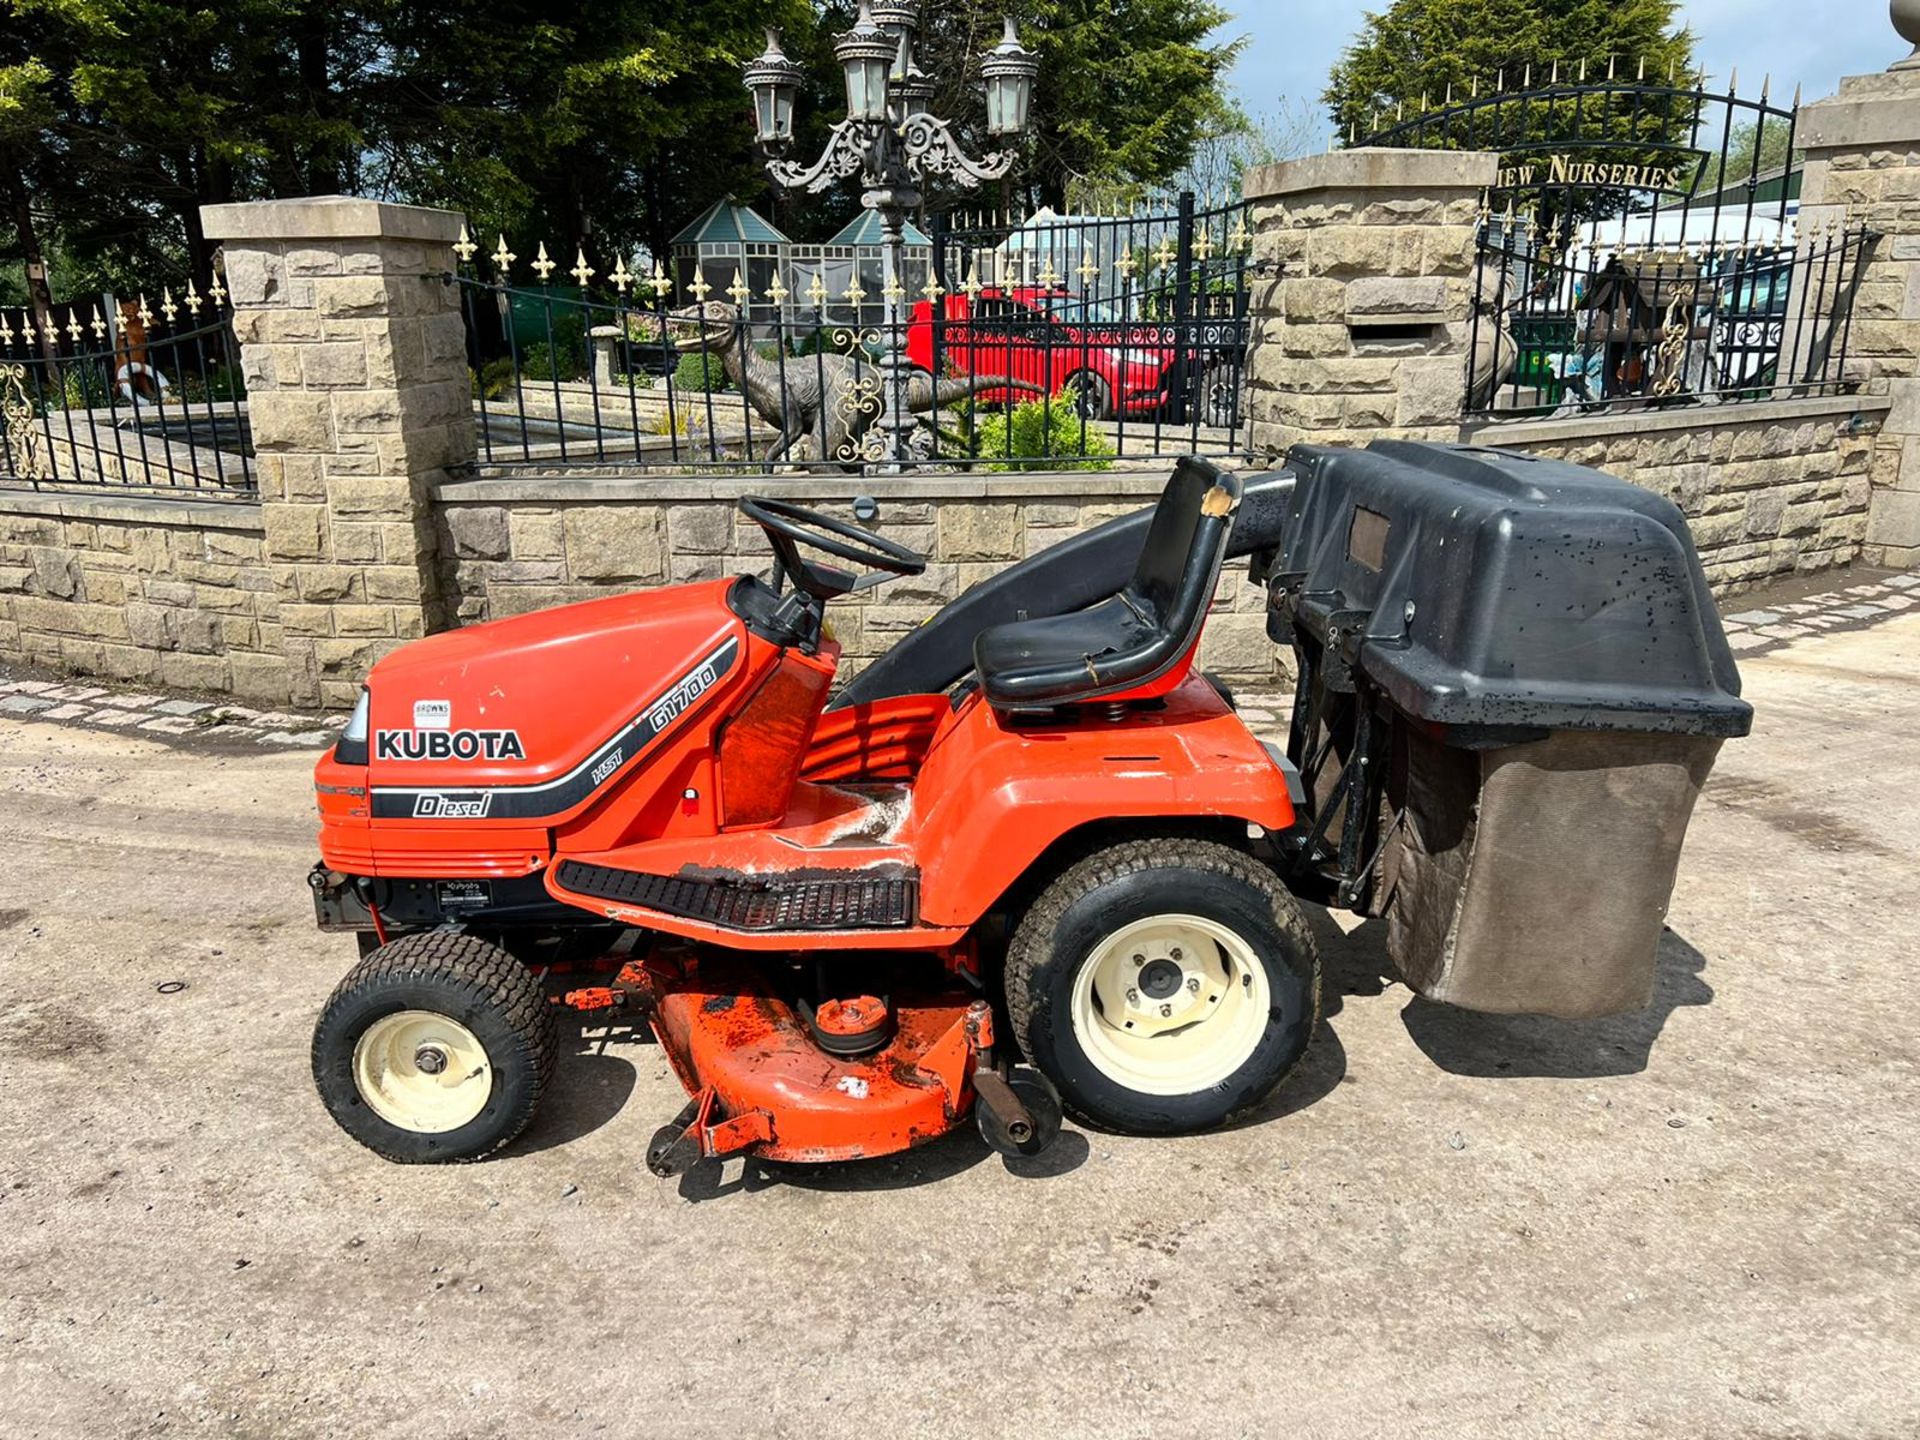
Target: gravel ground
{"type": "Point", "coordinates": [1700, 1220]}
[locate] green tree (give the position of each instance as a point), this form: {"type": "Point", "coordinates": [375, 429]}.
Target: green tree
{"type": "Point", "coordinates": [1417, 48]}
{"type": "Point", "coordinates": [1127, 88]}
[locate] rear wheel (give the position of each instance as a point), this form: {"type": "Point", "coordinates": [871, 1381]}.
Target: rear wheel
{"type": "Point", "coordinates": [436, 1047]}
{"type": "Point", "coordinates": [1163, 985]}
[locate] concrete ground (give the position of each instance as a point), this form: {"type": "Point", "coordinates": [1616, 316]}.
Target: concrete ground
{"type": "Point", "coordinates": [1701, 1220]}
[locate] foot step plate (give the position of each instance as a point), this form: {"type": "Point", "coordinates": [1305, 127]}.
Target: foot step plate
{"type": "Point", "coordinates": [867, 902]}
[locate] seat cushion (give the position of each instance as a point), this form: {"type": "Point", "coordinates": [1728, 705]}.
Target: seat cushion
{"type": "Point", "coordinates": [1061, 657]}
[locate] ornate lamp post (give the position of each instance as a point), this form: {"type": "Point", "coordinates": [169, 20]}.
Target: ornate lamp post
{"type": "Point", "coordinates": [892, 141]}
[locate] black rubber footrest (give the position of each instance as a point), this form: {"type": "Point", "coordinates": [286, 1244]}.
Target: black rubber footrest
{"type": "Point", "coordinates": [868, 902]}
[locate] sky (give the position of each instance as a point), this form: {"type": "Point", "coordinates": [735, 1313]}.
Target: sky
{"type": "Point", "coordinates": [1293, 44]}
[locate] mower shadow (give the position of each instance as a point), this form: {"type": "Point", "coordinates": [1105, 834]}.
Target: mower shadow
{"type": "Point", "coordinates": [1346, 968]}
{"type": "Point", "coordinates": [952, 1154]}
{"type": "Point", "coordinates": [1465, 1042]}
{"type": "Point", "coordinates": [591, 1085]}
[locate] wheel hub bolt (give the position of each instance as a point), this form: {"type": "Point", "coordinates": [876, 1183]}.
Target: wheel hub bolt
{"type": "Point", "coordinates": [430, 1059]}
{"type": "Point", "coordinates": [1166, 1012]}
{"type": "Point", "coordinates": [1174, 954]}
{"type": "Point", "coordinates": [1139, 960]}
{"type": "Point", "coordinates": [1193, 984]}
{"type": "Point", "coordinates": [1133, 996]}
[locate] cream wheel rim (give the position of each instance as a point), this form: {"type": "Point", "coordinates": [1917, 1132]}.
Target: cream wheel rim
{"type": "Point", "coordinates": [1171, 1004]}
{"type": "Point", "coordinates": [422, 1071]}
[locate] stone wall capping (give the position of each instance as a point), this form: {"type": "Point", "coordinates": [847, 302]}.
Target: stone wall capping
{"type": "Point", "coordinates": [328, 217]}
{"type": "Point", "coordinates": [1509, 433]}
{"type": "Point", "coordinates": [236, 515]}
{"type": "Point", "coordinates": [1374, 168]}
{"type": "Point", "coordinates": [499, 489]}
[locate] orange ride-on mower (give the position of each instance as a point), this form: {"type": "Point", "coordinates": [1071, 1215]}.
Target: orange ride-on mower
{"type": "Point", "coordinates": [1030, 858]}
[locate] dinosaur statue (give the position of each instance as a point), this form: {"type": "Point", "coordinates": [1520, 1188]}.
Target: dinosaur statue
{"type": "Point", "coordinates": [831, 397]}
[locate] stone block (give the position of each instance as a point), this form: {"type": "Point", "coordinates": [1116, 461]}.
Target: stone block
{"type": "Point", "coordinates": [335, 365]}
{"type": "Point", "coordinates": [615, 542]}
{"type": "Point", "coordinates": [700, 529]}
{"type": "Point", "coordinates": [291, 420]}
{"type": "Point", "coordinates": [55, 571]}
{"type": "Point", "coordinates": [182, 671]}
{"type": "Point", "coordinates": [320, 584]}
{"type": "Point", "coordinates": [294, 532]}
{"type": "Point", "coordinates": [357, 542]}
{"type": "Point", "coordinates": [478, 531]}
{"type": "Point", "coordinates": [1396, 295]}
{"type": "Point", "coordinates": [968, 531]}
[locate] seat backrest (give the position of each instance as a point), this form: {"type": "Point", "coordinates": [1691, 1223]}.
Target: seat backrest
{"type": "Point", "coordinates": [1180, 561]}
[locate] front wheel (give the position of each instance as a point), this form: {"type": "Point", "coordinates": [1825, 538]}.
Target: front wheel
{"type": "Point", "coordinates": [1089, 396]}
{"type": "Point", "coordinates": [436, 1047]}
{"type": "Point", "coordinates": [1163, 985]}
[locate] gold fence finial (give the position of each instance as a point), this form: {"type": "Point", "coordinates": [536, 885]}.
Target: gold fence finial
{"type": "Point", "coordinates": [621, 276]}
{"type": "Point", "coordinates": [464, 246]}
{"type": "Point", "coordinates": [1641, 73]}
{"type": "Point", "coordinates": [6, 330]}
{"type": "Point", "coordinates": [74, 327]}
{"type": "Point", "coordinates": [1555, 80]}
{"type": "Point", "coordinates": [97, 325]}
{"type": "Point", "coordinates": [817, 290]}
{"type": "Point", "coordinates": [659, 282]}
{"type": "Point", "coordinates": [193, 298]}
{"type": "Point", "coordinates": [1611, 59]}
{"type": "Point", "coordinates": [1733, 79]}
{"type": "Point", "coordinates": [542, 266]}
{"type": "Point", "coordinates": [167, 307]}
{"type": "Point", "coordinates": [933, 289]}
{"type": "Point", "coordinates": [855, 292]}
{"type": "Point", "coordinates": [777, 292]}
{"type": "Point", "coordinates": [502, 256]}
{"type": "Point", "coordinates": [146, 315]}
{"type": "Point", "coordinates": [1583, 69]}
{"type": "Point", "coordinates": [738, 291]}
{"type": "Point", "coordinates": [582, 272]}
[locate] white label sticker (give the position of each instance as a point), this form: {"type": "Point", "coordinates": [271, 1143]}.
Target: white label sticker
{"type": "Point", "coordinates": [433, 714]}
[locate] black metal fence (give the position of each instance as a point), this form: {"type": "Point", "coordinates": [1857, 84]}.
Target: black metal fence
{"type": "Point", "coordinates": [1641, 246]}
{"type": "Point", "coordinates": [1058, 342]}
{"type": "Point", "coordinates": [125, 394]}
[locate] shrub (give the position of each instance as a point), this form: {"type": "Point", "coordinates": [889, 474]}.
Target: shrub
{"type": "Point", "coordinates": [1035, 430]}
{"type": "Point", "coordinates": [494, 380]}
{"type": "Point", "coordinates": [698, 373]}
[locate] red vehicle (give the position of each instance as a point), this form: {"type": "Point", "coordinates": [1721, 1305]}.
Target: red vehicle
{"type": "Point", "coordinates": [1103, 367]}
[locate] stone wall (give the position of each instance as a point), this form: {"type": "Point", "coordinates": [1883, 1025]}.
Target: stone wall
{"type": "Point", "coordinates": [175, 593]}
{"type": "Point", "coordinates": [512, 545]}
{"type": "Point", "coordinates": [1769, 490]}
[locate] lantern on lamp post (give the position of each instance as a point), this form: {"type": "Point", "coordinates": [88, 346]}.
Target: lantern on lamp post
{"type": "Point", "coordinates": [773, 80]}
{"type": "Point", "coordinates": [892, 141]}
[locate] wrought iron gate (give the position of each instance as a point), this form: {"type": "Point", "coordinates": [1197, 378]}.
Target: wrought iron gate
{"type": "Point", "coordinates": [1642, 245]}
{"type": "Point", "coordinates": [1081, 341]}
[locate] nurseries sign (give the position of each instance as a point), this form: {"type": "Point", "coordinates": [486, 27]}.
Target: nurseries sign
{"type": "Point", "coordinates": [1675, 178]}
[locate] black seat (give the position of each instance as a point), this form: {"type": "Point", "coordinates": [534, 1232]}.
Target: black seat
{"type": "Point", "coordinates": [1130, 640]}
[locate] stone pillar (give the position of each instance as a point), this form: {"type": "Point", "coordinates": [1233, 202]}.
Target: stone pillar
{"type": "Point", "coordinates": [1361, 312]}
{"type": "Point", "coordinates": [1863, 167]}
{"type": "Point", "coordinates": [354, 353]}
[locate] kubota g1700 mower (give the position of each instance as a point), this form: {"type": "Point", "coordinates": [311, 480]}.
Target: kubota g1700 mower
{"type": "Point", "coordinates": [1030, 856]}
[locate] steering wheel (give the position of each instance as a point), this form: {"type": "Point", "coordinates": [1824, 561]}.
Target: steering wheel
{"type": "Point", "coordinates": [790, 526]}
